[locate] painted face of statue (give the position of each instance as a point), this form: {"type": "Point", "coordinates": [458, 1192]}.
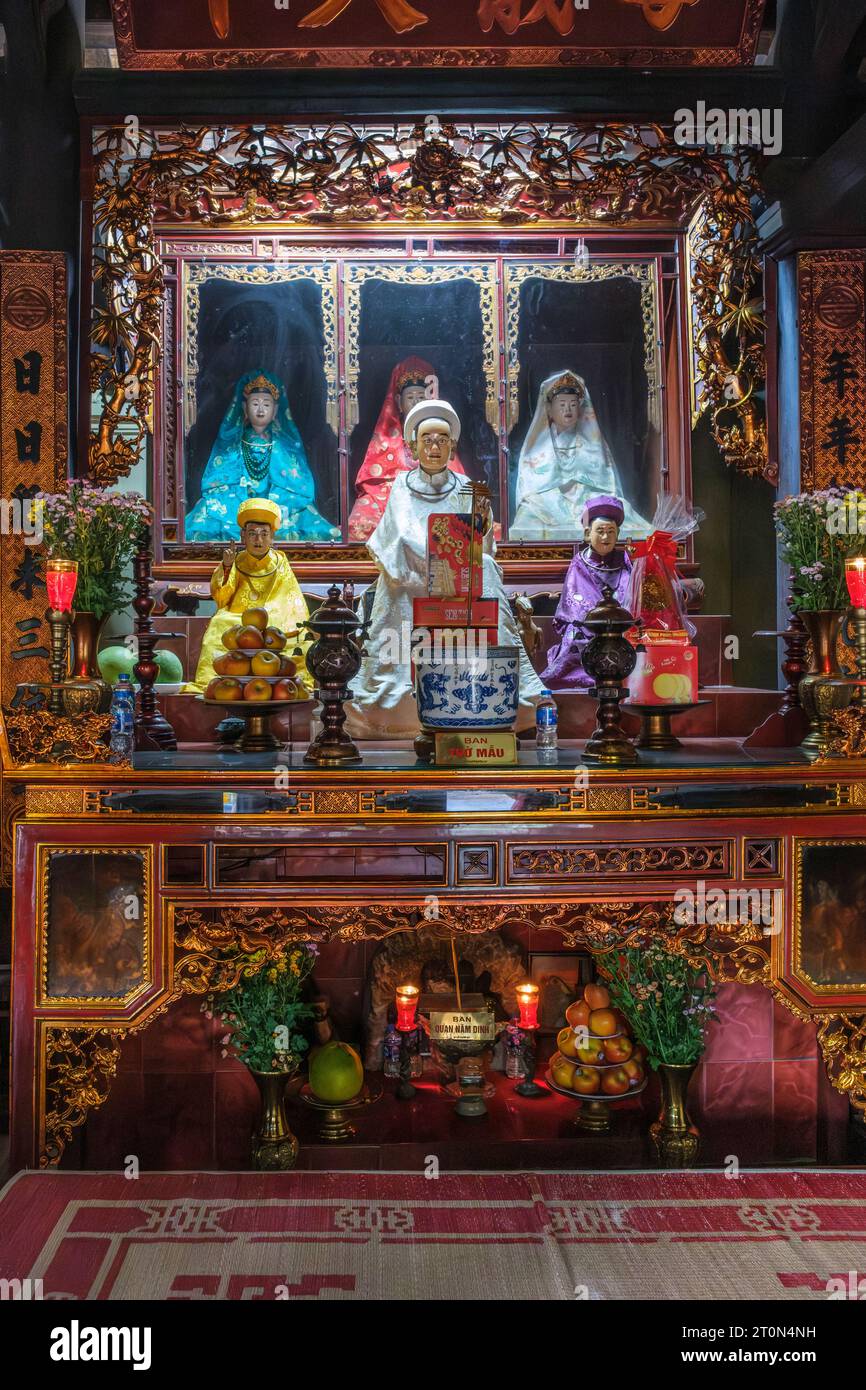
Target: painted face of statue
{"type": "Point", "coordinates": [257, 538]}
{"type": "Point", "coordinates": [602, 535]}
{"type": "Point", "coordinates": [434, 446]}
{"type": "Point", "coordinates": [409, 396]}
{"type": "Point", "coordinates": [563, 411]}
{"type": "Point", "coordinates": [260, 410]}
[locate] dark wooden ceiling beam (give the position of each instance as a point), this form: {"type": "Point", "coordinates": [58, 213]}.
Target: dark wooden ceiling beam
{"type": "Point", "coordinates": [608, 92]}
{"type": "Point", "coordinates": [826, 204]}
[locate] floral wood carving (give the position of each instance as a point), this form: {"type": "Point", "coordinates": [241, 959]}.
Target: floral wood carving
{"type": "Point", "coordinates": [847, 738]}
{"type": "Point", "coordinates": [579, 861]}
{"type": "Point", "coordinates": [842, 1040]}
{"type": "Point", "coordinates": [79, 1067]}
{"type": "Point", "coordinates": [334, 173]}
{"type": "Point", "coordinates": [40, 737]}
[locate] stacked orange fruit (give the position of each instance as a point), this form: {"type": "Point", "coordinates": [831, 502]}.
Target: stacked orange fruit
{"type": "Point", "coordinates": [253, 666]}
{"type": "Point", "coordinates": [596, 1054]}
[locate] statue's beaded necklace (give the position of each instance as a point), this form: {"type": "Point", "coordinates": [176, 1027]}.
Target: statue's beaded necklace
{"type": "Point", "coordinates": [257, 457]}
{"type": "Point", "coordinates": [430, 494]}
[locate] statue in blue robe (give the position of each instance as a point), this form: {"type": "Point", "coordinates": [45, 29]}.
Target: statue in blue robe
{"type": "Point", "coordinates": [258, 452]}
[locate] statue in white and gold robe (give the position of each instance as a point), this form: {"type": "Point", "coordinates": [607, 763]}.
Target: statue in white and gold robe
{"type": "Point", "coordinates": [383, 704]}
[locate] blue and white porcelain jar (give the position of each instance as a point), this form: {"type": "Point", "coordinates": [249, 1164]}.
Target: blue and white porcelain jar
{"type": "Point", "coordinates": [476, 692]}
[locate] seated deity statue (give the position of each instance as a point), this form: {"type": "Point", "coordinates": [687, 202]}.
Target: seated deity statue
{"type": "Point", "coordinates": [383, 703]}
{"type": "Point", "coordinates": [258, 453]}
{"type": "Point", "coordinates": [412, 380]}
{"type": "Point", "coordinates": [256, 577]}
{"type": "Point", "coordinates": [595, 564]}
{"type": "Point", "coordinates": [564, 461]}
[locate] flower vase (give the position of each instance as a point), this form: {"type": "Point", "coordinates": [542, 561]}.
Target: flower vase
{"type": "Point", "coordinates": [823, 627]}
{"type": "Point", "coordinates": [86, 692]}
{"type": "Point", "coordinates": [275, 1148]}
{"type": "Point", "coordinates": [675, 1139]}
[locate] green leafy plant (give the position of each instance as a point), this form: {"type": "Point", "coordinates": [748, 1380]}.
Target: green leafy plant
{"type": "Point", "coordinates": [667, 1002]}
{"type": "Point", "coordinates": [102, 531]}
{"type": "Point", "coordinates": [263, 1013]}
{"type": "Point", "coordinates": [815, 538]}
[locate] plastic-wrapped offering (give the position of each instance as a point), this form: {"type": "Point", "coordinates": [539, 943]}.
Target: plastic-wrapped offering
{"type": "Point", "coordinates": [656, 596]}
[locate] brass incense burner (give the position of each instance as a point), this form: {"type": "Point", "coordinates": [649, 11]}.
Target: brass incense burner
{"type": "Point", "coordinates": [334, 660]}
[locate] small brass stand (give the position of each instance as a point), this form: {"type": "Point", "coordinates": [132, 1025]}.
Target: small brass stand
{"type": "Point", "coordinates": [655, 726]}
{"type": "Point", "coordinates": [335, 1126]}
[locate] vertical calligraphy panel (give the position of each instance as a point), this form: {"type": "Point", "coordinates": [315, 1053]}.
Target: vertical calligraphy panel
{"type": "Point", "coordinates": [832, 307]}
{"type": "Point", "coordinates": [33, 448]}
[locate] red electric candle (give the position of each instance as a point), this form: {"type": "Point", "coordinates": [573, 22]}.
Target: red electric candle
{"type": "Point", "coordinates": [855, 578]}
{"type": "Point", "coordinates": [527, 999]}
{"type": "Point", "coordinates": [407, 1003]}
{"type": "Point", "coordinates": [61, 581]}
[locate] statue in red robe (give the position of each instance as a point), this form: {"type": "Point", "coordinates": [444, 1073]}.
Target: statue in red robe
{"type": "Point", "coordinates": [412, 380]}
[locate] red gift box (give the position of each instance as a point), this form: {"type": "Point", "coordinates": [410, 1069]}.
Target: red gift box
{"type": "Point", "coordinates": [666, 674]}
{"type": "Point", "coordinates": [456, 612]}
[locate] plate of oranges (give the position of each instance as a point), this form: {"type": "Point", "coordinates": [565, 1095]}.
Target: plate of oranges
{"type": "Point", "coordinates": [255, 668]}
{"type": "Point", "coordinates": [596, 1056]}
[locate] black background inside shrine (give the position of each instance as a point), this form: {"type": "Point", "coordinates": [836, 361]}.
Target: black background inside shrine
{"type": "Point", "coordinates": [276, 328]}
{"type": "Point", "coordinates": [441, 324]}
{"type": "Point", "coordinates": [595, 330]}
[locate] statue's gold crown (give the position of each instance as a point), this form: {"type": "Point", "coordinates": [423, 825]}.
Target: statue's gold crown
{"type": "Point", "coordinates": [261, 383]}
{"type": "Point", "coordinates": [411, 379]}
{"type": "Point", "coordinates": [569, 383]}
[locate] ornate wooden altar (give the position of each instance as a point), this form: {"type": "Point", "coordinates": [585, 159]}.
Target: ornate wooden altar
{"type": "Point", "coordinates": [208, 866]}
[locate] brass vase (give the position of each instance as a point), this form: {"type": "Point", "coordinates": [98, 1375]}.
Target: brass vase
{"type": "Point", "coordinates": [86, 692]}
{"type": "Point", "coordinates": [823, 626]}
{"type": "Point", "coordinates": [675, 1139]}
{"type": "Point", "coordinates": [275, 1148]}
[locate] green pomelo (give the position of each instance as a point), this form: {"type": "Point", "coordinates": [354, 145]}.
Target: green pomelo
{"type": "Point", "coordinates": [170, 666]}
{"type": "Point", "coordinates": [116, 661]}
{"type": "Point", "coordinates": [336, 1073]}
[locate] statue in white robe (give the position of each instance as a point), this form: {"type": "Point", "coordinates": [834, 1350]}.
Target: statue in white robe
{"type": "Point", "coordinates": [383, 703]}
{"type": "Point", "coordinates": [565, 460]}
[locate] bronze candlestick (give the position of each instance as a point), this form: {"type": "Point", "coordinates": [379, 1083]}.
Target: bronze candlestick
{"type": "Point", "coordinates": [609, 658]}
{"type": "Point", "coordinates": [61, 581]}
{"type": "Point", "coordinates": [334, 660]}
{"type": "Point", "coordinates": [58, 623]}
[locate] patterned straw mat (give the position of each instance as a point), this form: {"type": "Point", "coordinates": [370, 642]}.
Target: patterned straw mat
{"type": "Point", "coordinates": [648, 1235]}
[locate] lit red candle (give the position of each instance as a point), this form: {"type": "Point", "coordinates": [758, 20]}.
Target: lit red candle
{"type": "Point", "coordinates": [407, 1003]}
{"type": "Point", "coordinates": [527, 1001]}
{"type": "Point", "coordinates": [855, 578]}
{"type": "Point", "coordinates": [61, 581]}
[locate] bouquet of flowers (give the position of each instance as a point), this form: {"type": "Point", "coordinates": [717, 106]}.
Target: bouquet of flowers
{"type": "Point", "coordinates": [665, 999]}
{"type": "Point", "coordinates": [263, 1013]}
{"type": "Point", "coordinates": [817, 531]}
{"type": "Point", "coordinates": [102, 531]}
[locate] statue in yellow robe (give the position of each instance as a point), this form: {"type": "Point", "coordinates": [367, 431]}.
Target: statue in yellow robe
{"type": "Point", "coordinates": [255, 577]}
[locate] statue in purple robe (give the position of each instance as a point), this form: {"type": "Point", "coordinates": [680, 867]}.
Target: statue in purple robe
{"type": "Point", "coordinates": [595, 564]}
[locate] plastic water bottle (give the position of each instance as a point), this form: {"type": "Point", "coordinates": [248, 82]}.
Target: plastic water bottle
{"type": "Point", "coordinates": [122, 720]}
{"type": "Point", "coordinates": [545, 728]}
